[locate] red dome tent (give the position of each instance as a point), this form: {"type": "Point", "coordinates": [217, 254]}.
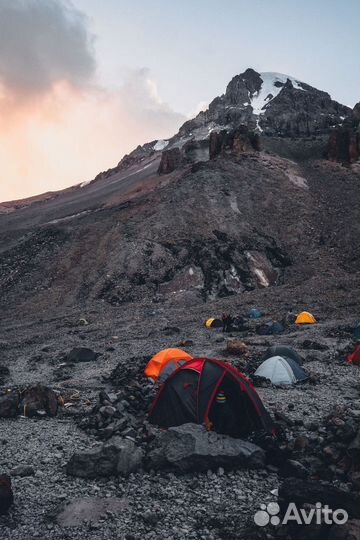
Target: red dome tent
{"type": "Point", "coordinates": [354, 358]}
{"type": "Point", "coordinates": [210, 392]}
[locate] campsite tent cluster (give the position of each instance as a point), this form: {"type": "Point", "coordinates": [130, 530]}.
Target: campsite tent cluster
{"type": "Point", "coordinates": [205, 391]}
{"type": "Point", "coordinates": [214, 393]}
{"type": "Point", "coordinates": [265, 328]}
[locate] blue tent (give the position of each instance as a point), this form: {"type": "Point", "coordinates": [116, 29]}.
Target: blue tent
{"type": "Point", "coordinates": [255, 313]}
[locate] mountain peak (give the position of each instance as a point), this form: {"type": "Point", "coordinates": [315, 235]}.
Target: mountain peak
{"type": "Point", "coordinates": [270, 102]}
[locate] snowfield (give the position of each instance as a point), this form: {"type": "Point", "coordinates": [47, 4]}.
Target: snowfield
{"type": "Point", "coordinates": [269, 91]}
{"type": "Point", "coordinates": [160, 145]}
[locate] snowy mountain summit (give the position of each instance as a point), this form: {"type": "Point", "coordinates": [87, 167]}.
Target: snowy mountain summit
{"type": "Point", "coordinates": [271, 86]}
{"type": "Point", "coordinates": [269, 102]}
{"type": "Point", "coordinates": [259, 110]}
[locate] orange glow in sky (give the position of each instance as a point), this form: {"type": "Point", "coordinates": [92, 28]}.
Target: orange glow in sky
{"type": "Point", "coordinates": [68, 136]}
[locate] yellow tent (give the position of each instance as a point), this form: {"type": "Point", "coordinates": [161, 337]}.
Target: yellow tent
{"type": "Point", "coordinates": [168, 358]}
{"type": "Point", "coordinates": [305, 318]}
{"type": "Point", "coordinates": [213, 323]}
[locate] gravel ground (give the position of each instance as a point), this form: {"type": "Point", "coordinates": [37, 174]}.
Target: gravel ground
{"type": "Point", "coordinates": [159, 505]}
{"type": "Point", "coordinates": [208, 506]}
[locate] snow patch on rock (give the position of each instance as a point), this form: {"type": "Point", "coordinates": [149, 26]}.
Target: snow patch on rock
{"type": "Point", "coordinates": [263, 280]}
{"type": "Point", "coordinates": [86, 183]}
{"type": "Point", "coordinates": [269, 90]}
{"type": "Point", "coordinates": [160, 145]}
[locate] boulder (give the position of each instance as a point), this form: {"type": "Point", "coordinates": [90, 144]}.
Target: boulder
{"type": "Point", "coordinates": [82, 354]}
{"type": "Point", "coordinates": [116, 457]}
{"type": "Point", "coordinates": [294, 468]}
{"type": "Point", "coordinates": [303, 491]}
{"type": "Point", "coordinates": [22, 470]}
{"type": "Point", "coordinates": [9, 403]}
{"type": "Point", "coordinates": [6, 494]}
{"type": "Point", "coordinates": [191, 448]}
{"type": "Point", "coordinates": [36, 399]}
{"type": "Point", "coordinates": [236, 347]}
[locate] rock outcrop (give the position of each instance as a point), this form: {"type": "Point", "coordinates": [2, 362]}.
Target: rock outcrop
{"type": "Point", "coordinates": [170, 160]}
{"type": "Point", "coordinates": [116, 457]}
{"type": "Point", "coordinates": [191, 448]}
{"type": "Point", "coordinates": [236, 141]}
{"type": "Point", "coordinates": [344, 141]}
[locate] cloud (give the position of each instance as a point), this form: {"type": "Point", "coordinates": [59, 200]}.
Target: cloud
{"type": "Point", "coordinates": [140, 98]}
{"type": "Point", "coordinates": [43, 42]}
{"type": "Point", "coordinates": [201, 106]}
{"type": "Point", "coordinates": [71, 135]}
{"type": "Point", "coordinates": [58, 127]}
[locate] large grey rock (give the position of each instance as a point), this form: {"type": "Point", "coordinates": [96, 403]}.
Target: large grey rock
{"type": "Point", "coordinates": [191, 448]}
{"type": "Point", "coordinates": [9, 403]}
{"type": "Point", "coordinates": [116, 457]}
{"type": "Point", "coordinates": [22, 470]}
{"type": "Point", "coordinates": [82, 354]}
{"type": "Point", "coordinates": [304, 491]}
{"type": "Point", "coordinates": [35, 399]}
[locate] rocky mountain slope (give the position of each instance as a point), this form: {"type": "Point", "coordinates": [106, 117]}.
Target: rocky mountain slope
{"type": "Point", "coordinates": [240, 198]}
{"type": "Point", "coordinates": [255, 202]}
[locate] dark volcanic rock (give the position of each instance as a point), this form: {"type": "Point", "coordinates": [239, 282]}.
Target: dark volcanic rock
{"type": "Point", "coordinates": [6, 494]}
{"type": "Point", "coordinates": [236, 141]}
{"type": "Point", "coordinates": [170, 160]}
{"type": "Point", "coordinates": [23, 470]}
{"type": "Point", "coordinates": [36, 399]}
{"type": "Point", "coordinates": [344, 145]}
{"type": "Point", "coordinates": [294, 468]}
{"type": "Point", "coordinates": [344, 140]}
{"type": "Point", "coordinates": [301, 491]}
{"type": "Point", "coordinates": [191, 448]}
{"type": "Point", "coordinates": [9, 403]}
{"type": "Point", "coordinates": [116, 457]}
{"type": "Point", "coordinates": [82, 354]}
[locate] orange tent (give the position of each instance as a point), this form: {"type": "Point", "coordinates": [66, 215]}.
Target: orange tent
{"type": "Point", "coordinates": [171, 359]}
{"type": "Point", "coordinates": [305, 318]}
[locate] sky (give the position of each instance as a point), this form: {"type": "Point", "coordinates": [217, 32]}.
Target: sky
{"type": "Point", "coordinates": [84, 82]}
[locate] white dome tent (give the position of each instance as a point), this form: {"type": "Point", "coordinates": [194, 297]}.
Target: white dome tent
{"type": "Point", "coordinates": [281, 370]}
